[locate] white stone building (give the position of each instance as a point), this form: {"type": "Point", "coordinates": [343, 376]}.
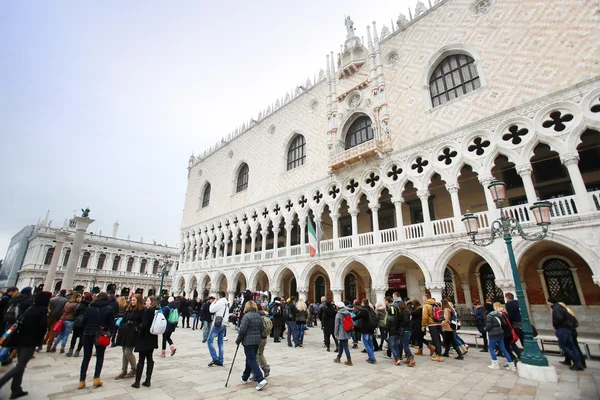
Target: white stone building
{"type": "Point", "coordinates": [393, 143]}
{"type": "Point", "coordinates": [106, 262]}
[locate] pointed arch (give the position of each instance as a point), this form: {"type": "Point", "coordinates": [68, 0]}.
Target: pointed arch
{"type": "Point", "coordinates": [276, 277]}
{"type": "Point", "coordinates": [304, 280]}
{"type": "Point", "coordinates": [446, 255]}
{"type": "Point", "coordinates": [345, 267]}
{"type": "Point", "coordinates": [388, 263]}
{"type": "Point", "coordinates": [529, 149]}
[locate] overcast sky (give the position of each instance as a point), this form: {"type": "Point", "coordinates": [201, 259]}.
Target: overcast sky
{"type": "Point", "coordinates": [102, 103]}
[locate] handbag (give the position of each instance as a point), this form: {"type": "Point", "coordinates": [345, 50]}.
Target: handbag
{"type": "Point", "coordinates": [515, 337]}
{"type": "Point", "coordinates": [58, 326]}
{"type": "Point", "coordinates": [219, 319]}
{"type": "Point", "coordinates": [118, 321]}
{"type": "Point", "coordinates": [103, 336]}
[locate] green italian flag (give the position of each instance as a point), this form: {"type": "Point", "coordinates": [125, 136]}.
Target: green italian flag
{"type": "Point", "coordinates": [313, 239]}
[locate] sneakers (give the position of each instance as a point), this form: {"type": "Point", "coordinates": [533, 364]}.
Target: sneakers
{"type": "Point", "coordinates": [244, 381]}
{"type": "Point", "coordinates": [261, 384]}
{"type": "Point", "coordinates": [163, 353]}
{"type": "Point", "coordinates": [398, 362]}
{"type": "Point", "coordinates": [212, 363]}
{"type": "Point", "coordinates": [225, 338]}
{"type": "Point", "coordinates": [372, 361]}
{"type": "Point", "coordinates": [494, 365]}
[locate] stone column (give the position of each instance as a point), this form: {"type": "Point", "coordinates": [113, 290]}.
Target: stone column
{"type": "Point", "coordinates": [336, 242]}
{"type": "Point", "coordinates": [435, 288]}
{"type": "Point", "coordinates": [380, 293]}
{"type": "Point", "coordinates": [354, 215]}
{"type": "Point", "coordinates": [524, 172]}
{"type": "Point", "coordinates": [571, 161]}
{"type": "Point", "coordinates": [507, 286]}
{"type": "Point", "coordinates": [302, 222]}
{"type": "Point", "coordinates": [275, 241]}
{"type": "Point", "coordinates": [61, 236]}
{"type": "Point", "coordinates": [93, 263]}
{"type": "Point", "coordinates": [452, 188]}
{"type": "Point", "coordinates": [263, 243]}
{"type": "Point", "coordinates": [226, 248]}
{"type": "Point", "coordinates": [399, 218]}
{"type": "Point", "coordinates": [81, 226]}
{"type": "Point", "coordinates": [253, 241]}
{"type": "Point", "coordinates": [468, 300]}
{"type": "Point", "coordinates": [233, 245]}
{"type": "Point", "coordinates": [424, 197]}
{"type": "Point", "coordinates": [243, 245]}
{"type": "Point", "coordinates": [492, 211]}
{"type": "Point", "coordinates": [337, 294]}
{"type": "Point", "coordinates": [481, 294]}
{"type": "Point", "coordinates": [230, 296]}
{"type": "Point", "coordinates": [375, 217]}
{"type": "Point", "coordinates": [302, 293]}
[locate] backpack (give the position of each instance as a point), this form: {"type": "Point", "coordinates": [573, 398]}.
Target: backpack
{"type": "Point", "coordinates": [174, 316]}
{"type": "Point", "coordinates": [373, 322]}
{"type": "Point", "coordinates": [437, 314]}
{"type": "Point", "coordinates": [159, 323]}
{"type": "Point", "coordinates": [276, 310]}
{"type": "Point", "coordinates": [348, 323]}
{"type": "Point", "coordinates": [267, 325]}
{"type": "Point", "coordinates": [12, 313]}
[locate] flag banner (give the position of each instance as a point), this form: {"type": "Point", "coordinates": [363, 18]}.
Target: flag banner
{"type": "Point", "coordinates": [313, 239]}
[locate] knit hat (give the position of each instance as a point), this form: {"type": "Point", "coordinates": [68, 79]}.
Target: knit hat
{"type": "Point", "coordinates": [552, 300]}
{"type": "Point", "coordinates": [340, 304]}
{"type": "Point", "coordinates": [26, 290]}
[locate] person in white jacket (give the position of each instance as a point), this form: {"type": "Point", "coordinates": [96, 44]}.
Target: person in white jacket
{"type": "Point", "coordinates": [220, 310]}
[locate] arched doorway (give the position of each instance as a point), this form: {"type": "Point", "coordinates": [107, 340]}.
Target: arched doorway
{"type": "Point", "coordinates": [288, 284]}
{"type": "Point", "coordinates": [359, 278]}
{"type": "Point", "coordinates": [262, 282]}
{"type": "Point", "coordinates": [57, 286]}
{"type": "Point", "coordinates": [350, 286]}
{"type": "Point", "coordinates": [488, 288]}
{"type": "Point", "coordinates": [405, 277]}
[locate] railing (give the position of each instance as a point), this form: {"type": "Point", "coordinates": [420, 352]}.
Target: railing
{"type": "Point", "coordinates": [269, 254]}
{"type": "Point", "coordinates": [413, 231]}
{"type": "Point", "coordinates": [257, 256]}
{"type": "Point", "coordinates": [345, 242]}
{"type": "Point", "coordinates": [365, 239]}
{"type": "Point", "coordinates": [443, 226]}
{"type": "Point", "coordinates": [326, 245]}
{"type": "Point", "coordinates": [282, 252]}
{"type": "Point", "coordinates": [247, 257]}
{"type": "Point", "coordinates": [389, 235]}
{"type": "Point", "coordinates": [595, 200]}
{"type": "Point", "coordinates": [237, 259]}
{"type": "Point", "coordinates": [520, 212]}
{"type": "Point", "coordinates": [483, 219]}
{"type": "Point", "coordinates": [563, 207]}
{"type": "Point", "coordinates": [295, 250]}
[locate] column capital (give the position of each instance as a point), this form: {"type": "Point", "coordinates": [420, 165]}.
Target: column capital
{"type": "Point", "coordinates": [524, 170]}
{"type": "Point", "coordinates": [596, 279]}
{"type": "Point", "coordinates": [423, 194]}
{"type": "Point", "coordinates": [375, 207]}
{"type": "Point", "coordinates": [399, 201]}
{"type": "Point", "coordinates": [334, 216]}
{"type": "Point", "coordinates": [486, 179]}
{"type": "Point", "coordinates": [276, 231]}
{"type": "Point", "coordinates": [452, 187]}
{"type": "Point", "coordinates": [264, 232]}
{"type": "Point", "coordinates": [435, 285]}
{"type": "Point", "coordinates": [288, 227]}
{"type": "Point", "coordinates": [380, 288]}
{"type": "Point", "coordinates": [505, 284]}
{"type": "Point", "coordinates": [337, 289]}
{"type": "Point", "coordinates": [570, 159]}
{"type": "Point", "coordinates": [466, 286]}
{"type": "Point", "coordinates": [354, 212]}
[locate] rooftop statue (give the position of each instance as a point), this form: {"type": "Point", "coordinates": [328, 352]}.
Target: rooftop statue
{"type": "Point", "coordinates": [86, 212]}
{"type": "Point", "coordinates": [349, 28]}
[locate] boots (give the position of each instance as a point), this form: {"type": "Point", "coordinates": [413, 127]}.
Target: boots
{"type": "Point", "coordinates": [121, 375]}
{"type": "Point", "coordinates": [150, 368]}
{"type": "Point", "coordinates": [336, 360]}
{"type": "Point", "coordinates": [512, 367]}
{"type": "Point", "coordinates": [97, 382]}
{"type": "Point", "coordinates": [431, 349]}
{"type": "Point", "coordinates": [437, 357]}
{"type": "Point", "coordinates": [173, 350]}
{"type": "Point", "coordinates": [411, 362]}
{"type": "Point", "coordinates": [336, 349]}
{"type": "Point", "coordinates": [163, 354]}
{"type": "Point", "coordinates": [349, 363]}
{"type": "Point", "coordinates": [464, 350]}
{"type": "Point", "coordinates": [76, 353]}
{"type": "Point", "coordinates": [494, 365]}
{"type": "Point", "coordinates": [328, 348]}
{"type": "Point", "coordinates": [138, 376]}
{"type": "Point", "coordinates": [81, 385]}
{"type": "Point", "coordinates": [131, 374]}
{"type": "Point", "coordinates": [406, 360]}
{"type": "Point", "coordinates": [418, 352]}
{"type": "Point", "coordinates": [70, 353]}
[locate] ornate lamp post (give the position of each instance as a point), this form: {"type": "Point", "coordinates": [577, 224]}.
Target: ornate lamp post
{"type": "Point", "coordinates": [164, 270]}
{"type": "Point", "coordinates": [506, 227]}
{"type": "Point", "coordinates": [94, 281]}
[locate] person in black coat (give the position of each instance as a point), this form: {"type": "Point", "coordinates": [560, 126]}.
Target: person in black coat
{"type": "Point", "coordinates": [146, 343]}
{"type": "Point", "coordinates": [128, 334]}
{"type": "Point", "coordinates": [166, 337]}
{"type": "Point", "coordinates": [328, 314]}
{"type": "Point", "coordinates": [78, 324]}
{"type": "Point", "coordinates": [30, 335]}
{"type": "Point", "coordinates": [276, 312]}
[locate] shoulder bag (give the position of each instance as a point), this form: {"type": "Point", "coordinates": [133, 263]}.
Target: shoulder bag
{"type": "Point", "coordinates": [219, 319]}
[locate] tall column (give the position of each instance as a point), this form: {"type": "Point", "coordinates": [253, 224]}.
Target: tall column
{"type": "Point", "coordinates": [399, 218]}
{"type": "Point", "coordinates": [263, 242]}
{"type": "Point", "coordinates": [230, 296]}
{"type": "Point", "coordinates": [61, 236]}
{"type": "Point", "coordinates": [302, 222]}
{"type": "Point", "coordinates": [136, 264]}
{"type": "Point", "coordinates": [226, 248]}
{"type": "Point", "coordinates": [275, 241]}
{"type": "Point", "coordinates": [492, 213]}
{"type": "Point", "coordinates": [335, 218]}
{"type": "Point", "coordinates": [453, 190]}
{"type": "Point", "coordinates": [424, 197]}
{"type": "Point", "coordinates": [571, 161]}
{"type": "Point", "coordinates": [467, 290]}
{"type": "Point", "coordinates": [288, 238]}
{"type": "Point", "coordinates": [524, 172]}
{"type": "Point", "coordinates": [243, 244]}
{"type": "Point", "coordinates": [354, 215]}
{"type": "Point", "coordinates": [81, 226]}
{"type": "Point", "coordinates": [375, 217]}
{"type": "Point", "coordinates": [253, 241]}
{"type": "Point", "coordinates": [337, 294]}
{"type": "Point", "coordinates": [233, 244]}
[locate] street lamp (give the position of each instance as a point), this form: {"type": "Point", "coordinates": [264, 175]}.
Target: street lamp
{"type": "Point", "coordinates": [94, 281]}
{"type": "Point", "coordinates": [507, 227]}
{"type": "Point", "coordinates": [164, 270]}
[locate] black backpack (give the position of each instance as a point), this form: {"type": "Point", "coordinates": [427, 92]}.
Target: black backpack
{"type": "Point", "coordinates": [12, 313]}
{"type": "Point", "coordinates": [373, 322]}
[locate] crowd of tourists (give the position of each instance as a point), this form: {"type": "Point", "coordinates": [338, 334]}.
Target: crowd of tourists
{"type": "Point", "coordinates": [397, 327]}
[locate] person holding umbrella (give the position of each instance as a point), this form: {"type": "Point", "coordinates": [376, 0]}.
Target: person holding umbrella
{"type": "Point", "coordinates": [250, 335]}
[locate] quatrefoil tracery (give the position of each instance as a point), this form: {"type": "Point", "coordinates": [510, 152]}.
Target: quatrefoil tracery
{"type": "Point", "coordinates": [351, 186]}
{"type": "Point", "coordinates": [479, 146]}
{"type": "Point", "coordinates": [372, 179]}
{"type": "Point", "coordinates": [317, 197]}
{"type": "Point", "coordinates": [447, 155]}
{"type": "Point", "coordinates": [557, 120]}
{"type": "Point", "coordinates": [334, 191]}
{"type": "Point", "coordinates": [302, 201]}
{"type": "Point", "coordinates": [514, 134]}
{"type": "Point", "coordinates": [394, 172]}
{"type": "Point", "coordinates": [419, 164]}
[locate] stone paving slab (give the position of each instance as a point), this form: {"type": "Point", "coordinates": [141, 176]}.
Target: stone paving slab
{"type": "Point", "coordinates": [301, 373]}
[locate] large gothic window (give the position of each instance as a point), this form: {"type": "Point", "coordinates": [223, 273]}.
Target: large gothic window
{"type": "Point", "coordinates": [560, 282]}
{"type": "Point", "coordinates": [49, 255]}
{"type": "Point", "coordinates": [359, 132]}
{"type": "Point", "coordinates": [116, 260]}
{"type": "Point", "coordinates": [350, 291]}
{"type": "Point", "coordinates": [143, 266]}
{"type": "Point", "coordinates": [206, 196]}
{"type": "Point", "coordinates": [319, 288]}
{"type": "Point", "coordinates": [101, 260]}
{"type": "Point", "coordinates": [296, 153]}
{"type": "Point", "coordinates": [242, 179]}
{"type": "Point", "coordinates": [66, 259]}
{"type": "Point", "coordinates": [85, 259]}
{"type": "Point", "coordinates": [488, 284]}
{"type": "Point", "coordinates": [448, 291]}
{"type": "Point", "coordinates": [455, 76]}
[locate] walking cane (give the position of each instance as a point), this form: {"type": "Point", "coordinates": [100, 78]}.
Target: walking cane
{"type": "Point", "coordinates": [232, 361]}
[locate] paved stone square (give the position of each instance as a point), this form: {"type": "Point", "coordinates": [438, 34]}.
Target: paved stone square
{"type": "Point", "coordinates": [307, 372]}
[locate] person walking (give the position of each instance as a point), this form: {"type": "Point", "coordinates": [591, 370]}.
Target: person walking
{"type": "Point", "coordinates": [220, 309]}
{"type": "Point", "coordinates": [301, 318]}
{"type": "Point", "coordinates": [448, 329]}
{"type": "Point", "coordinates": [290, 320]}
{"type": "Point", "coordinates": [128, 335]}
{"type": "Point", "coordinates": [514, 315]}
{"type": "Point", "coordinates": [394, 330]}
{"type": "Point", "coordinates": [511, 347]}
{"type": "Point", "coordinates": [494, 325]}
{"type": "Point", "coordinates": [145, 344]}
{"type": "Point", "coordinates": [78, 324]}
{"type": "Point", "coordinates": [268, 327]}
{"type": "Point", "coordinates": [435, 328]}
{"type": "Point", "coordinates": [206, 318]}
{"type": "Point", "coordinates": [563, 325]}
{"type": "Point", "coordinates": [171, 326]}
{"type": "Point", "coordinates": [57, 304]}
{"type": "Point", "coordinates": [34, 324]}
{"type": "Point", "coordinates": [328, 314]}
{"type": "Point", "coordinates": [341, 334]}
{"type": "Point", "coordinates": [250, 335]}
{"type": "Point", "coordinates": [98, 316]}
{"type": "Point", "coordinates": [479, 313]}
{"type": "Point", "coordinates": [416, 316]}
{"type": "Point", "coordinates": [120, 309]}
{"type": "Point", "coordinates": [68, 320]}
{"type": "Point", "coordinates": [184, 311]}
{"type": "Point", "coordinates": [196, 309]}
{"type": "Point", "coordinates": [366, 316]}
{"type": "Point", "coordinates": [405, 332]}
{"type": "Point", "coordinates": [276, 312]}
{"type": "Point", "coordinates": [381, 313]}
{"type": "Point", "coordinates": [575, 324]}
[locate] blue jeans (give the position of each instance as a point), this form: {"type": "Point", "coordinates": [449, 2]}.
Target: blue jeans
{"type": "Point", "coordinates": [219, 333]}
{"type": "Point", "coordinates": [252, 364]}
{"type": "Point", "coordinates": [394, 342]}
{"type": "Point", "coordinates": [343, 347]}
{"type": "Point", "coordinates": [64, 334]}
{"type": "Point", "coordinates": [207, 326]}
{"type": "Point", "coordinates": [299, 333]}
{"type": "Point", "coordinates": [458, 339]}
{"type": "Point", "coordinates": [196, 319]}
{"type": "Point", "coordinates": [367, 340]}
{"type": "Point", "coordinates": [406, 342]}
{"type": "Point", "coordinates": [566, 344]}
{"type": "Point", "coordinates": [88, 347]}
{"type": "Point", "coordinates": [291, 332]}
{"type": "Point", "coordinates": [492, 346]}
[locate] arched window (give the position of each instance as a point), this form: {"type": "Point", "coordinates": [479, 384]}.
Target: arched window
{"type": "Point", "coordinates": [349, 288]}
{"type": "Point", "coordinates": [560, 282]}
{"type": "Point", "coordinates": [320, 290]}
{"type": "Point", "coordinates": [455, 76]}
{"type": "Point", "coordinates": [115, 266]}
{"type": "Point", "coordinates": [206, 196]}
{"type": "Point", "coordinates": [296, 153]}
{"type": "Point", "coordinates": [242, 179]}
{"type": "Point", "coordinates": [488, 284]}
{"type": "Point", "coordinates": [293, 288]}
{"type": "Point", "coordinates": [66, 259]}
{"type": "Point", "coordinates": [130, 264]}
{"type": "Point", "coordinates": [101, 260]}
{"type": "Point", "coordinates": [155, 268]}
{"type": "Point", "coordinates": [143, 266]}
{"type": "Point", "coordinates": [359, 132]}
{"type": "Point", "coordinates": [49, 254]}
{"type": "Point", "coordinates": [448, 286]}
{"type": "Point", "coordinates": [85, 259]}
